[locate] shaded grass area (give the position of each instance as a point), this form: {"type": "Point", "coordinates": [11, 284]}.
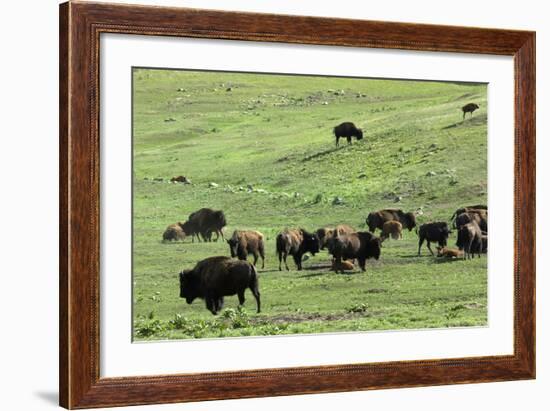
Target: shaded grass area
{"type": "Point", "coordinates": [266, 143]}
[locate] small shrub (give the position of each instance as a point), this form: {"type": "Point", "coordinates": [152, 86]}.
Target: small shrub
{"type": "Point", "coordinates": [357, 308]}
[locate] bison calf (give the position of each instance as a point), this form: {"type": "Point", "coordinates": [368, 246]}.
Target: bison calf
{"type": "Point", "coordinates": [393, 229]}
{"type": "Point", "coordinates": [215, 277]}
{"type": "Point", "coordinates": [449, 252]}
{"type": "Point", "coordinates": [296, 243]}
{"type": "Point", "coordinates": [242, 243]}
{"type": "Point", "coordinates": [342, 265]}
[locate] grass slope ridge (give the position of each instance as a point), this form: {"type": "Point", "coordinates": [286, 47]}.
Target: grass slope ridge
{"type": "Point", "coordinates": [266, 143]}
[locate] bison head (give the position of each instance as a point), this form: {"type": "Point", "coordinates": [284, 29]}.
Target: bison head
{"type": "Point", "coordinates": [310, 242]}
{"type": "Point", "coordinates": [374, 221]}
{"type": "Point", "coordinates": [409, 221]}
{"type": "Point", "coordinates": [188, 286]}
{"type": "Point", "coordinates": [359, 135]}
{"type": "Point", "coordinates": [233, 243]}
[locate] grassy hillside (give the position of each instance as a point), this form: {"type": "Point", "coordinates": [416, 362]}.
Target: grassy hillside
{"type": "Point", "coordinates": [261, 148]}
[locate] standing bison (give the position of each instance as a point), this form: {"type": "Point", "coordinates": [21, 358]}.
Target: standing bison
{"type": "Point", "coordinates": [361, 245]}
{"type": "Point", "coordinates": [376, 219]}
{"type": "Point", "coordinates": [393, 229]}
{"type": "Point", "coordinates": [247, 242]}
{"type": "Point", "coordinates": [207, 221]}
{"type": "Point", "coordinates": [296, 242]}
{"type": "Point", "coordinates": [347, 130]}
{"type": "Point", "coordinates": [215, 277]}
{"type": "Point", "coordinates": [469, 108]}
{"type": "Point", "coordinates": [437, 232]}
{"type": "Point", "coordinates": [324, 234]}
{"type": "Point", "coordinates": [470, 239]}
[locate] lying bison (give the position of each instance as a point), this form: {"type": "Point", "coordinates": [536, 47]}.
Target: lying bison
{"type": "Point", "coordinates": [469, 108]}
{"type": "Point", "coordinates": [376, 219]}
{"type": "Point", "coordinates": [347, 130]}
{"type": "Point", "coordinates": [207, 221]}
{"type": "Point", "coordinates": [361, 245]}
{"type": "Point", "coordinates": [174, 232]}
{"type": "Point", "coordinates": [470, 240]}
{"type": "Point", "coordinates": [296, 242]}
{"type": "Point", "coordinates": [215, 277]}
{"type": "Point", "coordinates": [247, 242]}
{"type": "Point", "coordinates": [437, 232]}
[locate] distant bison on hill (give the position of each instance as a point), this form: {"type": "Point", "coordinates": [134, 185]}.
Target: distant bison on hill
{"type": "Point", "coordinates": [361, 245]}
{"type": "Point", "coordinates": [215, 277]}
{"type": "Point", "coordinates": [376, 219]}
{"type": "Point", "coordinates": [347, 130]}
{"type": "Point", "coordinates": [207, 221]}
{"type": "Point", "coordinates": [296, 242]}
{"type": "Point", "coordinates": [469, 108]}
{"type": "Point", "coordinates": [243, 242]}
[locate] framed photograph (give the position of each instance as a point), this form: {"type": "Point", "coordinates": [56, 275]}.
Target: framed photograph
{"type": "Point", "coordinates": [260, 205]}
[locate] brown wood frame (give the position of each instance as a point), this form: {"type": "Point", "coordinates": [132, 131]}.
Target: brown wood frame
{"type": "Point", "coordinates": [80, 27]}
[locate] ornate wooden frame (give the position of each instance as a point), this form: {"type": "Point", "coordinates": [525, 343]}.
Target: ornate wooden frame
{"type": "Point", "coordinates": [80, 27]}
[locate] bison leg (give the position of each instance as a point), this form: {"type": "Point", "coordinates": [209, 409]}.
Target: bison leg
{"type": "Point", "coordinates": [256, 258]}
{"type": "Point", "coordinates": [420, 242]}
{"type": "Point", "coordinates": [337, 141]}
{"type": "Point", "coordinates": [298, 261]}
{"type": "Point", "coordinates": [349, 140]}
{"type": "Point", "coordinates": [362, 262]}
{"type": "Point", "coordinates": [211, 305]}
{"type": "Point", "coordinates": [256, 295]}
{"type": "Point", "coordinates": [219, 304]}
{"type": "Point", "coordinates": [429, 248]}
{"type": "Point", "coordinates": [285, 255]}
{"type": "Point", "coordinates": [280, 260]}
{"type": "Point", "coordinates": [262, 254]}
{"type": "Point", "coordinates": [241, 297]}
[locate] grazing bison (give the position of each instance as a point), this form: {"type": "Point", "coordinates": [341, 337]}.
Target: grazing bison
{"type": "Point", "coordinates": [376, 219]}
{"type": "Point", "coordinates": [180, 179]}
{"type": "Point", "coordinates": [449, 252]}
{"type": "Point", "coordinates": [470, 239]}
{"type": "Point", "coordinates": [433, 232]}
{"type": "Point", "coordinates": [393, 229]}
{"type": "Point", "coordinates": [361, 245]}
{"type": "Point", "coordinates": [207, 221]}
{"type": "Point", "coordinates": [479, 216]}
{"type": "Point", "coordinates": [215, 277]}
{"type": "Point", "coordinates": [296, 243]}
{"type": "Point", "coordinates": [469, 108]}
{"type": "Point", "coordinates": [174, 232]}
{"type": "Point", "coordinates": [347, 130]}
{"type": "Point", "coordinates": [242, 243]}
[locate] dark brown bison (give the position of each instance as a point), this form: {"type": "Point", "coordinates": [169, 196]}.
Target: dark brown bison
{"type": "Point", "coordinates": [437, 232]}
{"type": "Point", "coordinates": [469, 108]}
{"type": "Point", "coordinates": [174, 232]}
{"type": "Point", "coordinates": [215, 277]}
{"type": "Point", "coordinates": [479, 216]}
{"type": "Point", "coordinates": [247, 242]}
{"type": "Point", "coordinates": [470, 240]}
{"type": "Point", "coordinates": [180, 179]}
{"type": "Point", "coordinates": [207, 221]}
{"type": "Point", "coordinates": [376, 219]}
{"type": "Point", "coordinates": [296, 242]}
{"type": "Point", "coordinates": [347, 130]}
{"type": "Point", "coordinates": [361, 245]}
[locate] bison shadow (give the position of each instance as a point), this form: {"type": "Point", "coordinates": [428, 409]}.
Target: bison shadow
{"type": "Point", "coordinates": [323, 153]}
{"type": "Point", "coordinates": [472, 121]}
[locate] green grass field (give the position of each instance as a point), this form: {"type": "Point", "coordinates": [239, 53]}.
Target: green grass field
{"type": "Point", "coordinates": [261, 148]}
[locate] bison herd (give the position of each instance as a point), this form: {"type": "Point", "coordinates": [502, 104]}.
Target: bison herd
{"type": "Point", "coordinates": [216, 277]}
